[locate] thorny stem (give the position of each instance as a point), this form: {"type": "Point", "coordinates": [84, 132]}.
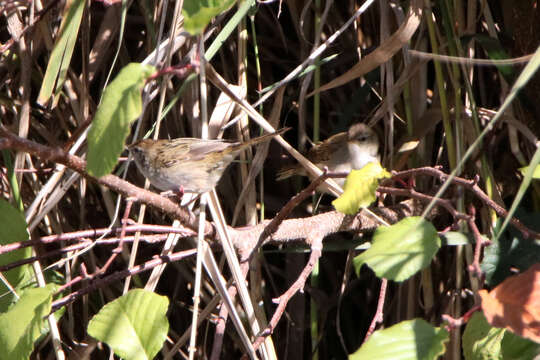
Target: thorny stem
{"type": "Point", "coordinates": [118, 249]}
{"type": "Point", "coordinates": [100, 282]}
{"type": "Point", "coordinates": [378, 318]}
{"type": "Point", "coordinates": [471, 185]}
{"type": "Point", "coordinates": [84, 235]}
{"type": "Point", "coordinates": [479, 242]}
{"type": "Point", "coordinates": [285, 211]}
{"type": "Point", "coordinates": [328, 223]}
{"type": "Point", "coordinates": [454, 323]}
{"type": "Point", "coordinates": [283, 300]}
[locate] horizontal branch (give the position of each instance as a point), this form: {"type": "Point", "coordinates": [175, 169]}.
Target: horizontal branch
{"type": "Point", "coordinates": [321, 225]}
{"type": "Point", "coordinates": [97, 282]}
{"type": "Point", "coordinates": [471, 185]}
{"type": "Point", "coordinates": [244, 239]}
{"type": "Point", "coordinates": [58, 155]}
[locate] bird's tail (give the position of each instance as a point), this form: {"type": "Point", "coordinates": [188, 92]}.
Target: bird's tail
{"type": "Point", "coordinates": [286, 172]}
{"type": "Point", "coordinates": [264, 137]}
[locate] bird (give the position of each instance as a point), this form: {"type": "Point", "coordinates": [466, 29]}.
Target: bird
{"type": "Point", "coordinates": [342, 152]}
{"type": "Point", "coordinates": [188, 164]}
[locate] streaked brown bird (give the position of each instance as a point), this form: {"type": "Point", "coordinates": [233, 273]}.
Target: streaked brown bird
{"type": "Point", "coordinates": [188, 164]}
{"type": "Point", "coordinates": [342, 152]}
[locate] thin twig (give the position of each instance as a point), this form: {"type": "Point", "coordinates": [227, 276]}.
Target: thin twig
{"type": "Point", "coordinates": [283, 300]}
{"type": "Point", "coordinates": [479, 242]}
{"type": "Point", "coordinates": [447, 204]}
{"type": "Point", "coordinates": [454, 323]}
{"type": "Point", "coordinates": [84, 235]}
{"type": "Point", "coordinates": [285, 211]}
{"type": "Point", "coordinates": [471, 185]}
{"type": "Point", "coordinates": [100, 282]}
{"type": "Point", "coordinates": [378, 318]}
{"type": "Point", "coordinates": [118, 249]}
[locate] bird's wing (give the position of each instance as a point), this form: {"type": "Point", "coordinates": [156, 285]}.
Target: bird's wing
{"type": "Point", "coordinates": [198, 148]}
{"type": "Point", "coordinates": [321, 152]}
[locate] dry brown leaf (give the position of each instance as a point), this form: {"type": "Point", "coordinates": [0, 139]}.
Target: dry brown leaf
{"type": "Point", "coordinates": [384, 52]}
{"type": "Point", "coordinates": [515, 304]}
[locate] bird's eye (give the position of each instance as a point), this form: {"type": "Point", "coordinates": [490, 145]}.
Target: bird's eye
{"type": "Point", "coordinates": [363, 137]}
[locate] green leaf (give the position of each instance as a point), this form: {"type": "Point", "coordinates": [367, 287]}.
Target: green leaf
{"type": "Point", "coordinates": [535, 174]}
{"type": "Point", "coordinates": [401, 250]}
{"type": "Point", "coordinates": [13, 229]}
{"type": "Point", "coordinates": [455, 238]}
{"type": "Point", "coordinates": [134, 325]}
{"type": "Point", "coordinates": [21, 326]}
{"type": "Point", "coordinates": [413, 339]}
{"type": "Point", "coordinates": [121, 105]}
{"type": "Point", "coordinates": [199, 13]}
{"type": "Point", "coordinates": [481, 340]}
{"type": "Point", "coordinates": [359, 189]}
{"type": "Point", "coordinates": [515, 347]}
{"type": "Point", "coordinates": [62, 52]}
{"type": "Point", "coordinates": [230, 27]}
{"type": "Point", "coordinates": [511, 250]}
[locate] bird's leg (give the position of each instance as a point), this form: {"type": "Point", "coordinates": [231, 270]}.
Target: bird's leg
{"type": "Point", "coordinates": [172, 193]}
{"type": "Point", "coordinates": [193, 200]}
{"type": "Point", "coordinates": [168, 193]}
{"type": "Point", "coordinates": [180, 193]}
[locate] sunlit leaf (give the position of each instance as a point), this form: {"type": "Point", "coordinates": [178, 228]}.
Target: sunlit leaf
{"type": "Point", "coordinates": [536, 173]}
{"type": "Point", "coordinates": [199, 13]}
{"type": "Point", "coordinates": [359, 189]}
{"type": "Point", "coordinates": [121, 105]}
{"type": "Point", "coordinates": [515, 347]}
{"type": "Point", "coordinates": [13, 229]}
{"type": "Point", "coordinates": [22, 325]}
{"type": "Point", "coordinates": [413, 339]}
{"type": "Point", "coordinates": [481, 340]}
{"type": "Point", "coordinates": [134, 325]}
{"type": "Point", "coordinates": [455, 238]}
{"type": "Point", "coordinates": [401, 250]}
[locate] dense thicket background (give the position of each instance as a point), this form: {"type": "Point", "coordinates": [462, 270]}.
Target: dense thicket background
{"type": "Point", "coordinates": [284, 34]}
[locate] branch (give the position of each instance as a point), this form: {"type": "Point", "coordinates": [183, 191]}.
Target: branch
{"type": "Point", "coordinates": [283, 300]}
{"type": "Point", "coordinates": [244, 239]}
{"type": "Point", "coordinates": [273, 225]}
{"type": "Point", "coordinates": [378, 318]}
{"type": "Point", "coordinates": [99, 282]}
{"type": "Point", "coordinates": [471, 185]}
{"type": "Point", "coordinates": [81, 235]}
{"type": "Point", "coordinates": [57, 155]}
